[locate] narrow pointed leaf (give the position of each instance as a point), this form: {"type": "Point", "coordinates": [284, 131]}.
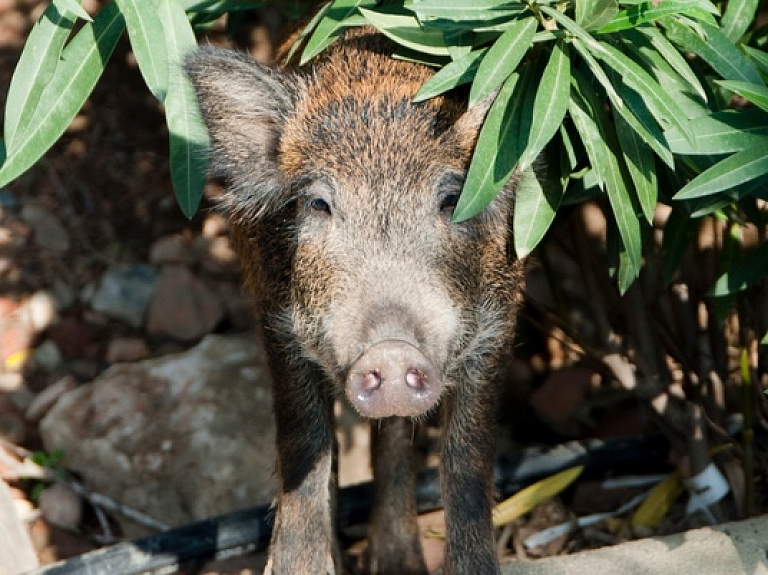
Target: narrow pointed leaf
{"type": "Point", "coordinates": [666, 111]}
{"type": "Point", "coordinates": [641, 166]}
{"type": "Point", "coordinates": [502, 59]}
{"type": "Point", "coordinates": [738, 15]}
{"type": "Point", "coordinates": [406, 31]}
{"type": "Point", "coordinates": [189, 141]}
{"type": "Point", "coordinates": [458, 72]}
{"type": "Point", "coordinates": [644, 13]}
{"type": "Point", "coordinates": [671, 56]}
{"type": "Point", "coordinates": [331, 26]}
{"type": "Point", "coordinates": [722, 133]}
{"type": "Point", "coordinates": [526, 499]}
{"type": "Point", "coordinates": [637, 116]}
{"type": "Point", "coordinates": [144, 29]}
{"type": "Point", "coordinates": [535, 209]}
{"type": "Point", "coordinates": [715, 49]}
{"type": "Point", "coordinates": [550, 105]}
{"type": "Point", "coordinates": [594, 128]}
{"type": "Point", "coordinates": [741, 167]}
{"type": "Point", "coordinates": [74, 7]}
{"type": "Point", "coordinates": [485, 177]}
{"type": "Point", "coordinates": [591, 14]}
{"type": "Point", "coordinates": [34, 71]}
{"type": "Point", "coordinates": [80, 67]}
{"type": "Point", "coordinates": [758, 95]}
{"type": "Point", "coordinates": [658, 502]}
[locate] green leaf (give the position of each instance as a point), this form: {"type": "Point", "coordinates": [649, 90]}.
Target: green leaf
{"type": "Point", "coordinates": [331, 26]}
{"type": "Point", "coordinates": [34, 71]}
{"type": "Point", "coordinates": [586, 111]}
{"type": "Point", "coordinates": [759, 57]}
{"type": "Point", "coordinates": [752, 269]}
{"type": "Point", "coordinates": [715, 49]}
{"type": "Point", "coordinates": [644, 13]}
{"type": "Point", "coordinates": [734, 170]}
{"type": "Point", "coordinates": [490, 169]}
{"type": "Point", "coordinates": [592, 14]}
{"type": "Point", "coordinates": [535, 209]}
{"type": "Point", "coordinates": [722, 133]}
{"type": "Point", "coordinates": [738, 15]}
{"type": "Point", "coordinates": [144, 30]}
{"type": "Point", "coordinates": [550, 105]}
{"type": "Point", "coordinates": [680, 230]}
{"type": "Point", "coordinates": [661, 52]}
{"type": "Point", "coordinates": [665, 110]}
{"type": "Point", "coordinates": [80, 67]}
{"type": "Point", "coordinates": [406, 31]}
{"type": "Point", "coordinates": [189, 141]}
{"type": "Point", "coordinates": [220, 6]}
{"type": "Point", "coordinates": [464, 13]}
{"type": "Point", "coordinates": [758, 95]}
{"type": "Point", "coordinates": [502, 59]}
{"type": "Point", "coordinates": [74, 7]}
{"type": "Point", "coordinates": [458, 72]}
{"type": "Point", "coordinates": [633, 110]}
{"type": "Point", "coordinates": [641, 166]}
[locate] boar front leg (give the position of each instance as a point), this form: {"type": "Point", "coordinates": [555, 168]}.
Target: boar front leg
{"type": "Point", "coordinates": [393, 538]}
{"type": "Point", "coordinates": [303, 539]}
{"type": "Point", "coordinates": [467, 480]}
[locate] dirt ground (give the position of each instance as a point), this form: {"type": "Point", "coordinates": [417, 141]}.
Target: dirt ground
{"type": "Point", "coordinates": [101, 196]}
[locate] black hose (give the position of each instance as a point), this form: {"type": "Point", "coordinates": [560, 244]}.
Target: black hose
{"type": "Point", "coordinates": [249, 530]}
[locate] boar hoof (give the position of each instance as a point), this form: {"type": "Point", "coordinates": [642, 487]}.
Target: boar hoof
{"type": "Point", "coordinates": [393, 378]}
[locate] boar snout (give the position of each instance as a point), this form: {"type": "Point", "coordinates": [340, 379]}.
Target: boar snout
{"type": "Point", "coordinates": [392, 378]}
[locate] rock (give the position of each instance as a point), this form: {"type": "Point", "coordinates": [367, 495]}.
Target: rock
{"type": "Point", "coordinates": [47, 356]}
{"type": "Point", "coordinates": [127, 349]}
{"type": "Point", "coordinates": [46, 398]}
{"type": "Point", "coordinates": [16, 552]}
{"type": "Point", "coordinates": [50, 233]}
{"type": "Point", "coordinates": [125, 291]}
{"type": "Point", "coordinates": [183, 307]}
{"type": "Point", "coordinates": [179, 438]}
{"type": "Point", "coordinates": [61, 506]}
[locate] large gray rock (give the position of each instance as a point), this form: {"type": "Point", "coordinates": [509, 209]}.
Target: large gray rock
{"type": "Point", "coordinates": [179, 438]}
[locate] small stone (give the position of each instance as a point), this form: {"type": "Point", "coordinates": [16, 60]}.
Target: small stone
{"type": "Point", "coordinates": [183, 307]}
{"type": "Point", "coordinates": [127, 349]}
{"type": "Point", "coordinates": [12, 427]}
{"type": "Point", "coordinates": [125, 291]}
{"type": "Point", "coordinates": [61, 506]}
{"type": "Point", "coordinates": [50, 233]}
{"type": "Point", "coordinates": [46, 398]}
{"type": "Point", "coordinates": [47, 356]}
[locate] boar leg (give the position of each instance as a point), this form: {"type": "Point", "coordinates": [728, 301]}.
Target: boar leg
{"type": "Point", "coordinates": [303, 540]}
{"type": "Point", "coordinates": [467, 481]}
{"type": "Point", "coordinates": [395, 546]}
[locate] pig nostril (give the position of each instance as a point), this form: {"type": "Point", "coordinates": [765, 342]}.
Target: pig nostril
{"type": "Point", "coordinates": [371, 381]}
{"type": "Point", "coordinates": [416, 379]}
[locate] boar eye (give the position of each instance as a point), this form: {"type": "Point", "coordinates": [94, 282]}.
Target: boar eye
{"type": "Point", "coordinates": [320, 205]}
{"type": "Point", "coordinates": [449, 202]}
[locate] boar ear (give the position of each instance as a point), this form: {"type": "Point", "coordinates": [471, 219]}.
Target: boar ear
{"type": "Point", "coordinates": [243, 104]}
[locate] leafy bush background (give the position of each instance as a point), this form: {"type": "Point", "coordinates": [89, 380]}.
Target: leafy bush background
{"type": "Point", "coordinates": [654, 114]}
